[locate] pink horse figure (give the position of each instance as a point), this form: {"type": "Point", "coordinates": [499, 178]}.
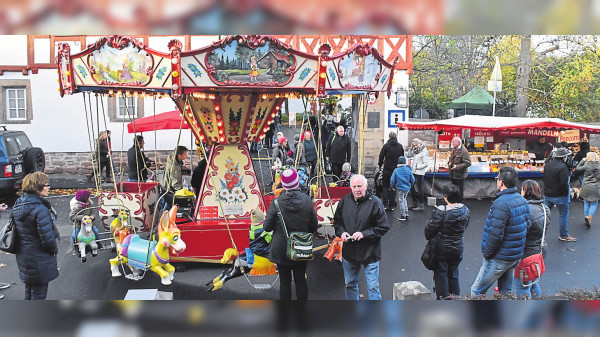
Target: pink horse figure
{"type": "Point", "coordinates": [135, 253]}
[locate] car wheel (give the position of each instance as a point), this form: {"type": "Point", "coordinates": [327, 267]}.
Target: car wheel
{"type": "Point", "coordinates": [35, 160]}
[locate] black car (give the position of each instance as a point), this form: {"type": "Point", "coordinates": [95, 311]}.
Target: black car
{"type": "Point", "coordinates": [17, 158]}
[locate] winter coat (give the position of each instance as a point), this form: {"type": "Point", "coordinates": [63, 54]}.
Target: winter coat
{"type": "Point", "coordinates": [259, 240]}
{"type": "Point", "coordinates": [460, 160]}
{"type": "Point", "coordinates": [339, 149]}
{"type": "Point", "coordinates": [590, 188]}
{"type": "Point", "coordinates": [402, 179]}
{"type": "Point", "coordinates": [388, 156]}
{"type": "Point", "coordinates": [281, 153]}
{"type": "Point", "coordinates": [308, 150]}
{"type": "Point", "coordinates": [533, 239]}
{"type": "Point", "coordinates": [298, 214]}
{"type": "Point", "coordinates": [450, 222]}
{"type": "Point", "coordinates": [36, 245]}
{"type": "Point", "coordinates": [136, 167]}
{"type": "Point", "coordinates": [420, 160]}
{"type": "Point", "coordinates": [540, 149]}
{"type": "Point", "coordinates": [102, 149]}
{"type": "Point", "coordinates": [556, 178]}
{"type": "Point", "coordinates": [506, 226]}
{"type": "Point", "coordinates": [75, 215]}
{"type": "Point", "coordinates": [173, 177]}
{"type": "Point", "coordinates": [365, 215]}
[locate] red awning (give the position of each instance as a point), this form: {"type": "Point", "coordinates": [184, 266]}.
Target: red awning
{"type": "Point", "coordinates": [498, 123]}
{"type": "Point", "coordinates": [164, 121]}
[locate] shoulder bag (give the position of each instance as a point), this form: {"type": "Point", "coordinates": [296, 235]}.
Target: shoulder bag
{"type": "Point", "coordinates": [299, 244]}
{"type": "Point", "coordinates": [8, 236]}
{"type": "Point", "coordinates": [531, 268]}
{"type": "Point", "coordinates": [429, 256]}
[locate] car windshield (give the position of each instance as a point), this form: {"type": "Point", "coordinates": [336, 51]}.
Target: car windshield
{"type": "Point", "coordinates": [16, 143]}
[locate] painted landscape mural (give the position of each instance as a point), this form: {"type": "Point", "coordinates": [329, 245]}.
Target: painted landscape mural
{"type": "Point", "coordinates": [117, 66]}
{"type": "Point", "coordinates": [239, 63]}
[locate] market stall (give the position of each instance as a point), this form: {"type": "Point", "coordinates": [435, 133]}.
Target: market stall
{"type": "Point", "coordinates": [494, 142]}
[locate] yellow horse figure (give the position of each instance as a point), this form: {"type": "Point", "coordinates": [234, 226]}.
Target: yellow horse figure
{"type": "Point", "coordinates": [120, 228]}
{"type": "Point", "coordinates": [135, 253]}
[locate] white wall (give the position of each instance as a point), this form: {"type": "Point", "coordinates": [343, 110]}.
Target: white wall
{"type": "Point", "coordinates": [400, 81]}
{"type": "Point", "coordinates": [14, 50]}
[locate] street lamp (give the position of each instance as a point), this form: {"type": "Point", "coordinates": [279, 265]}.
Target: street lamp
{"type": "Point", "coordinates": [402, 98]}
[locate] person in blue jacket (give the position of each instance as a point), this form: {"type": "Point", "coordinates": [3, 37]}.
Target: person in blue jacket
{"type": "Point", "coordinates": [503, 240]}
{"type": "Point", "coordinates": [401, 181]}
{"type": "Point", "coordinates": [37, 236]}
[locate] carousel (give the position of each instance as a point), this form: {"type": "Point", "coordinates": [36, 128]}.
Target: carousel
{"type": "Point", "coordinates": [228, 94]}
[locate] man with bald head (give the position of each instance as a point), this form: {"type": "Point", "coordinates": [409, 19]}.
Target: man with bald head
{"type": "Point", "coordinates": [458, 164]}
{"type": "Point", "coordinates": [338, 151]}
{"type": "Point", "coordinates": [360, 221]}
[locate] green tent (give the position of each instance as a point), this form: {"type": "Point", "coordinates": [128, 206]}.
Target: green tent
{"type": "Point", "coordinates": [475, 102]}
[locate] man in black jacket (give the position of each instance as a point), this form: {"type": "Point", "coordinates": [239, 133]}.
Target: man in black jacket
{"type": "Point", "coordinates": [388, 157]}
{"type": "Point", "coordinates": [137, 162]}
{"type": "Point", "coordinates": [360, 222]}
{"type": "Point", "coordinates": [557, 191]}
{"type": "Point", "coordinates": [102, 157]}
{"type": "Point", "coordinates": [339, 151]}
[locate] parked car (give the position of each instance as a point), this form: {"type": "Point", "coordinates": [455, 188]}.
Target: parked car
{"type": "Point", "coordinates": [17, 158]}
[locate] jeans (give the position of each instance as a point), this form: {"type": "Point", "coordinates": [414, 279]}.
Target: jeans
{"type": "Point", "coordinates": [402, 201]}
{"type": "Point", "coordinates": [589, 208]}
{"type": "Point", "coordinates": [36, 291]}
{"type": "Point", "coordinates": [285, 283]}
{"type": "Point", "coordinates": [351, 274]}
{"type": "Point", "coordinates": [461, 184]}
{"type": "Point", "coordinates": [445, 277]}
{"type": "Point", "coordinates": [528, 290]}
{"type": "Point", "coordinates": [416, 192]}
{"type": "Point", "coordinates": [562, 203]}
{"type": "Point", "coordinates": [492, 270]}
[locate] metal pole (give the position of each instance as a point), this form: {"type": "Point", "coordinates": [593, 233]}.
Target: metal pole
{"type": "Point", "coordinates": [494, 107]}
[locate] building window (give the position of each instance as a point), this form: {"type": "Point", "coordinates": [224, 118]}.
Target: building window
{"type": "Point", "coordinates": [125, 109]}
{"type": "Point", "coordinates": [15, 102]}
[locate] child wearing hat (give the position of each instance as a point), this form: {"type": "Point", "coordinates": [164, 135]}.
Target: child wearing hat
{"type": "Point", "coordinates": [346, 175]}
{"type": "Point", "coordinates": [80, 207]}
{"type": "Point", "coordinates": [401, 181]}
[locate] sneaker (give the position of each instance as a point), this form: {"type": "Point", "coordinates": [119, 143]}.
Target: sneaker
{"type": "Point", "coordinates": [588, 222]}
{"type": "Point", "coordinates": [567, 238]}
{"type": "Point", "coordinates": [4, 285]}
{"type": "Point", "coordinates": [402, 218]}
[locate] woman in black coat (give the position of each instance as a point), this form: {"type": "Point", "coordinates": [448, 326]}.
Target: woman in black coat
{"type": "Point", "coordinates": [37, 236]}
{"type": "Point", "coordinates": [449, 222]}
{"type": "Point", "coordinates": [299, 215]}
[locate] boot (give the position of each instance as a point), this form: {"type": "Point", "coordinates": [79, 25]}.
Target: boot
{"type": "Point", "coordinates": [419, 207]}
{"type": "Point", "coordinates": [89, 177]}
{"type": "Point", "coordinates": [588, 221]}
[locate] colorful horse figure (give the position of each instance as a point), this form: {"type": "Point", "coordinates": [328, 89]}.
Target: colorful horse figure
{"type": "Point", "coordinates": [135, 253]}
{"type": "Point", "coordinates": [246, 263]}
{"type": "Point", "coordinates": [86, 238]}
{"type": "Point", "coordinates": [120, 228]}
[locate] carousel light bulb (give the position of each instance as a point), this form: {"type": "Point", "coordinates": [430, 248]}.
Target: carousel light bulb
{"type": "Point", "coordinates": [220, 132]}
{"type": "Point", "coordinates": [220, 124]}
{"type": "Point", "coordinates": [262, 136]}
{"type": "Point", "coordinates": [175, 73]}
{"type": "Point", "coordinates": [222, 139]}
{"type": "Point", "coordinates": [323, 75]}
{"type": "Point", "coordinates": [264, 96]}
{"type": "Point", "coordinates": [323, 63]}
{"type": "Point", "coordinates": [277, 96]}
{"type": "Point", "coordinates": [217, 108]}
{"type": "Point", "coordinates": [174, 60]}
{"type": "Point", "coordinates": [175, 87]}
{"type": "Point", "coordinates": [277, 108]}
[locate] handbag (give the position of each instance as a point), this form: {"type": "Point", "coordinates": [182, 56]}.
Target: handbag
{"type": "Point", "coordinates": [299, 246]}
{"type": "Point", "coordinates": [530, 269]}
{"type": "Point", "coordinates": [8, 236]}
{"type": "Point", "coordinates": [429, 257]}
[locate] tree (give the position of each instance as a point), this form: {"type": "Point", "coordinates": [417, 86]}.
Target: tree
{"type": "Point", "coordinates": [523, 76]}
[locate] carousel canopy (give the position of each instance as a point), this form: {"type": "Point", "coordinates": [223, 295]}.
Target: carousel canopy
{"type": "Point", "coordinates": [229, 91]}
{"type": "Point", "coordinates": [498, 123]}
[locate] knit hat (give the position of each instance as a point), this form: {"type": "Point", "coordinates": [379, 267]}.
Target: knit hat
{"type": "Point", "coordinates": [290, 179]}
{"type": "Point", "coordinates": [82, 195]}
{"type": "Point", "coordinates": [346, 167]}
{"type": "Point", "coordinates": [296, 137]}
{"type": "Point", "coordinates": [402, 160]}
{"type": "Point", "coordinates": [561, 152]}
{"type": "Point", "coordinates": [282, 139]}
{"type": "Point", "coordinates": [257, 216]}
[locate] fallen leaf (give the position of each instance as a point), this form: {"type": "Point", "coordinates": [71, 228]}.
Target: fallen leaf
{"type": "Point", "coordinates": [2, 265]}
{"type": "Point", "coordinates": [571, 249]}
{"type": "Point", "coordinates": [567, 273]}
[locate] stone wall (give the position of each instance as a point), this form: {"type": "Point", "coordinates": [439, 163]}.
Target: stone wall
{"type": "Point", "coordinates": [80, 162]}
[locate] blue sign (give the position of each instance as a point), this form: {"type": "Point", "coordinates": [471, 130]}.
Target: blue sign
{"type": "Point", "coordinates": [395, 117]}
